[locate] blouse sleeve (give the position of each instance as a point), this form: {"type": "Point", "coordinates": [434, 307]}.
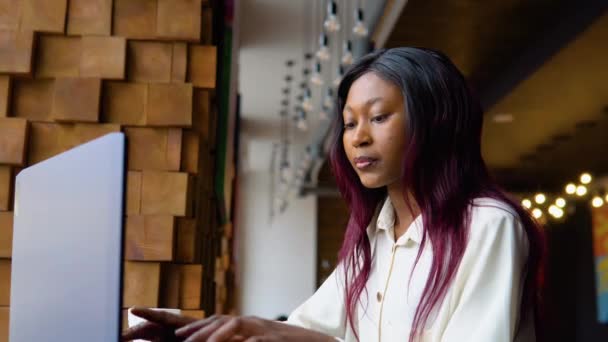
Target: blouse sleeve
{"type": "Point", "coordinates": [324, 311]}
{"type": "Point", "coordinates": [488, 284]}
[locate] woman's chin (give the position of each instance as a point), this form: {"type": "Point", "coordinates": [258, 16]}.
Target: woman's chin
{"type": "Point", "coordinates": [372, 183]}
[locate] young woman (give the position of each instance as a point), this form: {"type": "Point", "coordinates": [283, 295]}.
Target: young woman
{"type": "Point", "coordinates": [434, 250]}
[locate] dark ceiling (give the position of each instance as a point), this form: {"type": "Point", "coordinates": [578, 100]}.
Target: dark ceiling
{"type": "Point", "coordinates": [543, 62]}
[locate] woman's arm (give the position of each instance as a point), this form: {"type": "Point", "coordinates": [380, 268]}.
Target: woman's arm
{"type": "Point", "coordinates": [488, 285]}
{"type": "Point", "coordinates": [324, 311]}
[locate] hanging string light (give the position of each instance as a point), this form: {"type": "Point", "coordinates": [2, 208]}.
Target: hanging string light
{"type": "Point", "coordinates": [323, 52]}
{"type": "Point", "coordinates": [339, 76]}
{"type": "Point", "coordinates": [324, 113]}
{"type": "Point", "coordinates": [328, 101]}
{"type": "Point", "coordinates": [302, 122]}
{"type": "Point", "coordinates": [347, 54]}
{"type": "Point", "coordinates": [332, 24]}
{"type": "Point", "coordinates": [307, 101]}
{"type": "Point", "coordinates": [360, 30]}
{"type": "Point", "coordinates": [317, 78]}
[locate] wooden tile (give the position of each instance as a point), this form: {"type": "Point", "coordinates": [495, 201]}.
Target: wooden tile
{"type": "Point", "coordinates": [103, 57]}
{"type": "Point", "coordinates": [4, 322]}
{"type": "Point", "coordinates": [10, 11]}
{"type": "Point", "coordinates": [6, 234]}
{"type": "Point", "coordinates": [202, 64]}
{"type": "Point", "coordinates": [207, 26]}
{"type": "Point", "coordinates": [32, 99]}
{"type": "Point", "coordinates": [201, 113]}
{"type": "Point", "coordinates": [133, 193]}
{"type": "Point", "coordinates": [198, 314]}
{"type": "Point", "coordinates": [135, 19]}
{"type": "Point", "coordinates": [5, 95]}
{"type": "Point", "coordinates": [6, 187]}
{"type": "Point", "coordinates": [16, 49]}
{"type": "Point", "coordinates": [90, 17]}
{"type": "Point", "coordinates": [141, 284]}
{"type": "Point", "coordinates": [179, 19]}
{"type": "Point", "coordinates": [169, 104]}
{"type": "Point", "coordinates": [44, 142]}
{"type": "Point", "coordinates": [49, 139]}
{"type": "Point", "coordinates": [5, 282]}
{"type": "Point", "coordinates": [154, 148]}
{"type": "Point", "coordinates": [179, 62]}
{"type": "Point", "coordinates": [76, 99]}
{"type": "Point", "coordinates": [149, 61]}
{"type": "Point", "coordinates": [170, 286]}
{"type": "Point", "coordinates": [187, 244]}
{"type": "Point", "coordinates": [58, 56]}
{"type": "Point", "coordinates": [191, 286]}
{"type": "Point", "coordinates": [124, 103]}
{"type": "Point", "coordinates": [150, 238]}
{"type": "Point", "coordinates": [79, 134]}
{"type": "Point", "coordinates": [44, 15]}
{"type": "Point", "coordinates": [190, 151]}
{"type": "Point", "coordinates": [165, 193]}
{"type": "Point", "coordinates": [13, 141]}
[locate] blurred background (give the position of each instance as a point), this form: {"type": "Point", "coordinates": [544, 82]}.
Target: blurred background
{"type": "Point", "coordinates": [231, 205]}
{"type": "Point", "coordinates": [539, 69]}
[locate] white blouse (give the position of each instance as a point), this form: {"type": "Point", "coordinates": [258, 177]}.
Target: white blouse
{"type": "Point", "coordinates": [481, 305]}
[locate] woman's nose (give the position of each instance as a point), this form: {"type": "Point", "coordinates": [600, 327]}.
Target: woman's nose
{"type": "Point", "coordinates": [362, 136]}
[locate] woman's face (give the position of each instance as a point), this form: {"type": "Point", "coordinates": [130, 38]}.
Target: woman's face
{"type": "Point", "coordinates": [374, 136]}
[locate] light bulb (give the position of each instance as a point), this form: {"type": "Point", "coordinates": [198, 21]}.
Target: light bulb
{"type": "Point", "coordinates": [338, 78]}
{"type": "Point", "coordinates": [586, 178]}
{"type": "Point", "coordinates": [302, 125]}
{"type": "Point", "coordinates": [526, 203]}
{"type": "Point", "coordinates": [360, 29]}
{"type": "Point", "coordinates": [581, 190]}
{"type": "Point", "coordinates": [324, 113]}
{"type": "Point", "coordinates": [301, 122]}
{"type": "Point", "coordinates": [597, 202]}
{"type": "Point", "coordinates": [332, 24]}
{"type": "Point", "coordinates": [323, 52]}
{"type": "Point", "coordinates": [347, 55]}
{"type": "Point", "coordinates": [555, 211]}
{"type": "Point", "coordinates": [540, 198]}
{"type": "Point", "coordinates": [537, 213]}
{"type": "Point", "coordinates": [307, 101]}
{"type": "Point", "coordinates": [317, 78]}
{"type": "Point", "coordinates": [560, 202]}
{"type": "Point", "coordinates": [570, 189]}
{"type": "Point", "coordinates": [328, 101]}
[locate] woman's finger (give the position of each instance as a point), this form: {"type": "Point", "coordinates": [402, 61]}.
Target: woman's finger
{"type": "Point", "coordinates": [238, 325]}
{"type": "Point", "coordinates": [193, 327]}
{"type": "Point", "coordinates": [145, 330]}
{"type": "Point", "coordinates": [203, 333]}
{"type": "Point", "coordinates": [162, 317]}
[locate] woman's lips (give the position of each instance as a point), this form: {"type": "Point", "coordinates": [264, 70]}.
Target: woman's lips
{"type": "Point", "coordinates": [363, 163]}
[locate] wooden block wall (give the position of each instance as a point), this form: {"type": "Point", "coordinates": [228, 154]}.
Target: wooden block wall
{"type": "Point", "coordinates": [72, 71]}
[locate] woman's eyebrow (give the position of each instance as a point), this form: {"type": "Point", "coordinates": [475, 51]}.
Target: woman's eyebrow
{"type": "Point", "coordinates": [367, 103]}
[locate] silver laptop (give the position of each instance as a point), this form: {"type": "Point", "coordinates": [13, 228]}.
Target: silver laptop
{"type": "Point", "coordinates": [67, 245]}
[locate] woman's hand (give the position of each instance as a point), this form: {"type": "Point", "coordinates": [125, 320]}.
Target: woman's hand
{"type": "Point", "coordinates": [248, 329]}
{"type": "Point", "coordinates": [160, 326]}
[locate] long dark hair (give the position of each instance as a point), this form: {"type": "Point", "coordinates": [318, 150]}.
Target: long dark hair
{"type": "Point", "coordinates": [442, 169]}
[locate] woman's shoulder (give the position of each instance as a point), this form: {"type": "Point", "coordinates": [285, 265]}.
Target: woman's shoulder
{"type": "Point", "coordinates": [492, 216]}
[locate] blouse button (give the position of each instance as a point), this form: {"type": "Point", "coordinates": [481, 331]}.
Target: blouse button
{"type": "Point", "coordinates": [379, 296]}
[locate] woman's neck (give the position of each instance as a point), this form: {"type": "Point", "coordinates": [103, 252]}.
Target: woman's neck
{"type": "Point", "coordinates": [404, 214]}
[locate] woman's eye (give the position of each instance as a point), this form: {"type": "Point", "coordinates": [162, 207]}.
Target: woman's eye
{"type": "Point", "coordinates": [349, 125]}
{"type": "Point", "coordinates": [379, 118]}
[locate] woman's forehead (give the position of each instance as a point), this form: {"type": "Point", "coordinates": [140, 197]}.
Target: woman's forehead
{"type": "Point", "coordinates": [370, 89]}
